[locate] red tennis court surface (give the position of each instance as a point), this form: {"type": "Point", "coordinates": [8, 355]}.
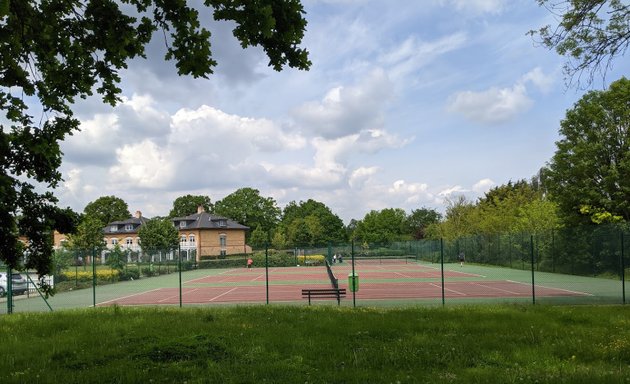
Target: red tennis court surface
{"type": "Point", "coordinates": [286, 284]}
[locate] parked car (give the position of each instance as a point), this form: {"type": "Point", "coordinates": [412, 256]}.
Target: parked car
{"type": "Point", "coordinates": [18, 284]}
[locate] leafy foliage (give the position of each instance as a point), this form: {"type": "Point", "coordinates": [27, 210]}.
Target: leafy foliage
{"type": "Point", "coordinates": [247, 207]}
{"type": "Point", "coordinates": [589, 175]}
{"type": "Point", "coordinates": [311, 223]}
{"type": "Point", "coordinates": [107, 209]}
{"type": "Point", "coordinates": [52, 52]}
{"type": "Point", "coordinates": [158, 234]}
{"type": "Point", "coordinates": [590, 34]}
{"type": "Point", "coordinates": [188, 205]}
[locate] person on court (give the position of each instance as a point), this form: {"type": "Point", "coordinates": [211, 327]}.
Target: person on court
{"type": "Point", "coordinates": [461, 259]}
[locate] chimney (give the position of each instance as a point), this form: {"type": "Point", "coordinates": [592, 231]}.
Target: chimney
{"type": "Point", "coordinates": [138, 214]}
{"type": "Point", "coordinates": [200, 209]}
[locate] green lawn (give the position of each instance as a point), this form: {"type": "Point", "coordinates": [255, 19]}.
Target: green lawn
{"type": "Point", "coordinates": [319, 344]}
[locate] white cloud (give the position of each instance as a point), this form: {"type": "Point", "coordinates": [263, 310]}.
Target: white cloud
{"type": "Point", "coordinates": [455, 190]}
{"type": "Point", "coordinates": [360, 176]}
{"type": "Point", "coordinates": [493, 106]}
{"type": "Point", "coordinates": [347, 110]}
{"type": "Point", "coordinates": [483, 185]}
{"type": "Point", "coordinates": [478, 6]}
{"type": "Point", "coordinates": [143, 165]}
{"type": "Point", "coordinates": [413, 54]}
{"type": "Point", "coordinates": [537, 77]}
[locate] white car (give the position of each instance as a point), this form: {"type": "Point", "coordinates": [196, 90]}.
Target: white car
{"type": "Point", "coordinates": [18, 284]}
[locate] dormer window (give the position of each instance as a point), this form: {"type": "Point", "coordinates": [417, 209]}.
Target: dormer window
{"type": "Point", "coordinates": [128, 227]}
{"type": "Point", "coordinates": [223, 223]}
{"type": "Point", "coordinates": [182, 224]}
{"type": "Point", "coordinates": [114, 228]}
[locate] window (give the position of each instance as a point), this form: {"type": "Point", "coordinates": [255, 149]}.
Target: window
{"type": "Point", "coordinates": [223, 223]}
{"type": "Point", "coordinates": [222, 241]}
{"type": "Point", "coordinates": [191, 239]}
{"type": "Point", "coordinates": [129, 241]}
{"type": "Point", "coordinates": [182, 224]}
{"type": "Point", "coordinates": [128, 227]}
{"type": "Point", "coordinates": [114, 241]}
{"type": "Point", "coordinates": [182, 239]}
{"type": "Point", "coordinates": [113, 228]}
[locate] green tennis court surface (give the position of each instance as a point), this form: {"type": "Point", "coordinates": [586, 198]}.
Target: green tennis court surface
{"type": "Point", "coordinates": [381, 282]}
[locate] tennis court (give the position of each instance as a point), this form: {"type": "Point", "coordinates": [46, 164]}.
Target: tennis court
{"type": "Point", "coordinates": [379, 281]}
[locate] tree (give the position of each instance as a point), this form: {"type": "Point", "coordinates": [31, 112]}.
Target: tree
{"type": "Point", "coordinates": [332, 229]}
{"type": "Point", "coordinates": [158, 234]}
{"type": "Point", "coordinates": [258, 239]}
{"type": "Point", "coordinates": [419, 219]}
{"type": "Point", "coordinates": [383, 226]}
{"type": "Point", "coordinates": [89, 235]}
{"type": "Point", "coordinates": [590, 34]}
{"type": "Point", "coordinates": [188, 204]}
{"type": "Point", "coordinates": [52, 52]}
{"type": "Point", "coordinates": [590, 171]}
{"type": "Point", "coordinates": [107, 209]}
{"type": "Point", "coordinates": [246, 206]}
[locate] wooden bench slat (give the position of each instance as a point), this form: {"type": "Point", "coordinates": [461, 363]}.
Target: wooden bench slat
{"type": "Point", "coordinates": [333, 293]}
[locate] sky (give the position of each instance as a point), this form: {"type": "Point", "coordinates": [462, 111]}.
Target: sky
{"type": "Point", "coordinates": [407, 104]}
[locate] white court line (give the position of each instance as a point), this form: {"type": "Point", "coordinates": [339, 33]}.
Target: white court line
{"type": "Point", "coordinates": [223, 294]}
{"type": "Point", "coordinates": [559, 289]}
{"type": "Point", "coordinates": [497, 289]}
{"type": "Point", "coordinates": [183, 293]}
{"type": "Point", "coordinates": [403, 275]}
{"type": "Point", "coordinates": [126, 297]}
{"type": "Point", "coordinates": [448, 289]}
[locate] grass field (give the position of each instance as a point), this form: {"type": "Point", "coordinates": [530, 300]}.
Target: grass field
{"type": "Point", "coordinates": [319, 344]}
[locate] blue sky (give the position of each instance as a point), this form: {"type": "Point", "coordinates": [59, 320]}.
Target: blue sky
{"type": "Point", "coordinates": [407, 104]}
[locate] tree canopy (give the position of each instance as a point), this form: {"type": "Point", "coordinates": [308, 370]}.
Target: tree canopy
{"type": "Point", "coordinates": [311, 222]}
{"type": "Point", "coordinates": [107, 209]}
{"type": "Point", "coordinates": [249, 208]}
{"type": "Point", "coordinates": [188, 205]}
{"type": "Point", "coordinates": [53, 52]}
{"type": "Point", "coordinates": [589, 174]}
{"type": "Point", "coordinates": [158, 234]}
{"type": "Point", "coordinates": [590, 34]}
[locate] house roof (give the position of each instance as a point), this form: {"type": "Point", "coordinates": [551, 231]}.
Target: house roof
{"type": "Point", "coordinates": [136, 222]}
{"type": "Point", "coordinates": [205, 220]}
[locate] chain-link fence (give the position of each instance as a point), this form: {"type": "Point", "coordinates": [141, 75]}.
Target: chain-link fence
{"type": "Point", "coordinates": [576, 265]}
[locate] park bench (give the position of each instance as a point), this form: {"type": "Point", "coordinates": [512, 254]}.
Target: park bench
{"type": "Point", "coordinates": [324, 293]}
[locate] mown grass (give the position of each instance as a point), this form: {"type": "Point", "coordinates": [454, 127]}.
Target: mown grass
{"type": "Point", "coordinates": [318, 344]}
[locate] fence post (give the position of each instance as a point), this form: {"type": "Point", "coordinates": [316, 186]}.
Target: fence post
{"type": "Point", "coordinates": [9, 290]}
{"type": "Point", "coordinates": [623, 272]}
{"type": "Point", "coordinates": [267, 271]}
{"type": "Point", "coordinates": [442, 268]}
{"type": "Point", "coordinates": [179, 267]}
{"type": "Point", "coordinates": [354, 294]}
{"type": "Point", "coordinates": [94, 276]}
{"type": "Point", "coordinates": [531, 248]}
{"type": "Point", "coordinates": [553, 251]}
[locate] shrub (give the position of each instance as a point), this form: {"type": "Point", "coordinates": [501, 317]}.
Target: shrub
{"type": "Point", "coordinates": [129, 274]}
{"type": "Point", "coordinates": [310, 260]}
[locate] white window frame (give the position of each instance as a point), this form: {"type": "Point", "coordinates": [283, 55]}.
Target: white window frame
{"type": "Point", "coordinates": [113, 228]}
{"type": "Point", "coordinates": [128, 227]}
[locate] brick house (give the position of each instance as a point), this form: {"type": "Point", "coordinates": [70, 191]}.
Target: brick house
{"type": "Point", "coordinates": [210, 235]}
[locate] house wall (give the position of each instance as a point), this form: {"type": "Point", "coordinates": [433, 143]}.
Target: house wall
{"type": "Point", "coordinates": [209, 243]}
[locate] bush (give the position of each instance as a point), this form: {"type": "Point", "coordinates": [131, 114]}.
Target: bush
{"type": "Point", "coordinates": [222, 263]}
{"type": "Point", "coordinates": [312, 260]}
{"type": "Point", "coordinates": [129, 274]}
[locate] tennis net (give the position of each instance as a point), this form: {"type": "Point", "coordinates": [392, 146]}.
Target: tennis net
{"type": "Point", "coordinates": [333, 280]}
{"type": "Point", "coordinates": [370, 260]}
